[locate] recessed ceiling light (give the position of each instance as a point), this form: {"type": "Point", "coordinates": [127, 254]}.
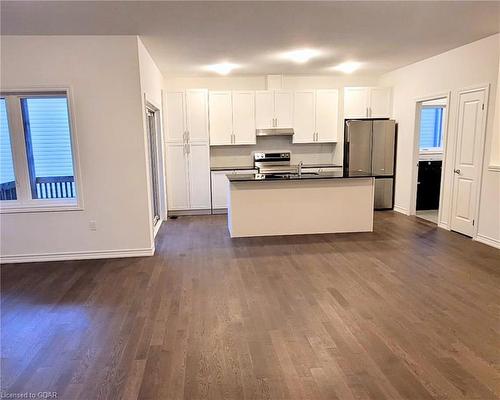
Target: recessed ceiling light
{"type": "Point", "coordinates": [222, 68]}
{"type": "Point", "coordinates": [348, 67]}
{"type": "Point", "coordinates": [301, 56]}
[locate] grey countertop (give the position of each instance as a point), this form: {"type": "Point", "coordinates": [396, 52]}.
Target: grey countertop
{"type": "Point", "coordinates": [243, 167]}
{"type": "Point", "coordinates": [294, 177]}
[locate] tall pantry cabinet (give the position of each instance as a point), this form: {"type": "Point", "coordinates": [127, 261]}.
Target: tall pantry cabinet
{"type": "Point", "coordinates": [187, 150]}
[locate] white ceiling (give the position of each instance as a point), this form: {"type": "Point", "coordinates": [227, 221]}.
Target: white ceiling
{"type": "Point", "coordinates": [183, 37]}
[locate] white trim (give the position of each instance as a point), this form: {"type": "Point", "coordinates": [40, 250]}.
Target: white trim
{"type": "Point", "coordinates": [78, 255]}
{"type": "Point", "coordinates": [444, 225]}
{"type": "Point", "coordinates": [494, 167]}
{"type": "Point", "coordinates": [157, 227]}
{"type": "Point", "coordinates": [401, 210]}
{"type": "Point", "coordinates": [175, 213]}
{"type": "Point", "coordinates": [487, 240]}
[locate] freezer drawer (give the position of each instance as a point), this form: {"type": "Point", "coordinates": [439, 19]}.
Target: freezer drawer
{"type": "Point", "coordinates": [383, 193]}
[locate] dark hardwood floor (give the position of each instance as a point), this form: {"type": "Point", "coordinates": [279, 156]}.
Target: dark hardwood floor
{"type": "Point", "coordinates": [407, 312]}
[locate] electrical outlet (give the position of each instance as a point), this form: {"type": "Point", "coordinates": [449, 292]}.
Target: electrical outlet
{"type": "Point", "coordinates": [92, 225]}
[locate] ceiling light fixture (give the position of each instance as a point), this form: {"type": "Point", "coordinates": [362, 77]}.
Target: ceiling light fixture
{"type": "Point", "coordinates": [224, 68]}
{"type": "Point", "coordinates": [348, 67]}
{"type": "Point", "coordinates": [301, 56]}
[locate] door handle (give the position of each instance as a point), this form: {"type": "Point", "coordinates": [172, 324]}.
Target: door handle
{"type": "Point", "coordinates": [457, 171]}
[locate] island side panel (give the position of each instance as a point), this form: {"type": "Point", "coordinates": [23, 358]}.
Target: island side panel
{"type": "Point", "coordinates": [300, 207]}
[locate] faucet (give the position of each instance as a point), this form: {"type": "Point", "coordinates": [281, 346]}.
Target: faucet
{"type": "Point", "coordinates": [299, 168]}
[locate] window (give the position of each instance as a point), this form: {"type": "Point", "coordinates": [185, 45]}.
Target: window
{"type": "Point", "coordinates": [43, 152]}
{"type": "Point", "coordinates": [7, 177]}
{"type": "Point", "coordinates": [431, 128]}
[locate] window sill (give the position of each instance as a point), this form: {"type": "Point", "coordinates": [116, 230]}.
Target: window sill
{"type": "Point", "coordinates": [37, 208]}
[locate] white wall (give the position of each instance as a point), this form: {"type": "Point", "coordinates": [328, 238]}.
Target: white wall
{"type": "Point", "coordinates": [103, 74]}
{"type": "Point", "coordinates": [152, 89]}
{"type": "Point", "coordinates": [309, 153]}
{"type": "Point", "coordinates": [468, 66]}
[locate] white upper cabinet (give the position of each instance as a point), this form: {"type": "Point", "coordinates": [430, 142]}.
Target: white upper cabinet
{"type": "Point", "coordinates": [356, 101]}
{"type": "Point", "coordinates": [283, 106]}
{"type": "Point", "coordinates": [175, 106]}
{"type": "Point", "coordinates": [273, 109]}
{"type": "Point", "coordinates": [304, 116]}
{"type": "Point", "coordinates": [327, 115]}
{"type": "Point", "coordinates": [232, 118]}
{"type": "Point", "coordinates": [244, 117]}
{"type": "Point", "coordinates": [221, 118]}
{"type": "Point", "coordinates": [264, 109]}
{"type": "Point", "coordinates": [315, 116]}
{"type": "Point", "coordinates": [197, 115]}
{"type": "Point", "coordinates": [367, 102]}
{"type": "Point", "coordinates": [380, 102]}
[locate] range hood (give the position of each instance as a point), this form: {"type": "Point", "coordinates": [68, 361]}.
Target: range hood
{"type": "Point", "coordinates": [274, 132]}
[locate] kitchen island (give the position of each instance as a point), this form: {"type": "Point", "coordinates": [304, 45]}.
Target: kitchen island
{"type": "Point", "coordinates": [309, 203]}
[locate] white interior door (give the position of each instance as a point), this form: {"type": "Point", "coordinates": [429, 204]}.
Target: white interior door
{"type": "Point", "coordinates": [356, 102]}
{"type": "Point", "coordinates": [264, 109]}
{"type": "Point", "coordinates": [283, 106]}
{"type": "Point", "coordinates": [303, 116]}
{"type": "Point", "coordinates": [174, 105]}
{"type": "Point", "coordinates": [177, 177]}
{"type": "Point", "coordinates": [327, 115]}
{"type": "Point", "coordinates": [468, 159]}
{"type": "Point", "coordinates": [244, 117]}
{"type": "Point", "coordinates": [197, 114]}
{"type": "Point", "coordinates": [221, 118]}
{"type": "Point", "coordinates": [199, 176]}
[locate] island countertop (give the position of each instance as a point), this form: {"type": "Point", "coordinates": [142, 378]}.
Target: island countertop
{"type": "Point", "coordinates": [292, 177]}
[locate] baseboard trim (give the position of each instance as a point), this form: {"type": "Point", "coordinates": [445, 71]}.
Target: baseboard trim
{"type": "Point", "coordinates": [78, 255]}
{"type": "Point", "coordinates": [219, 211]}
{"type": "Point", "coordinates": [401, 210]}
{"type": "Point", "coordinates": [175, 213]}
{"type": "Point", "coordinates": [444, 225]}
{"type": "Point", "coordinates": [489, 241]}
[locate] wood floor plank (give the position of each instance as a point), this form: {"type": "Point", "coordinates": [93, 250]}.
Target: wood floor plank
{"type": "Point", "coordinates": [407, 312]}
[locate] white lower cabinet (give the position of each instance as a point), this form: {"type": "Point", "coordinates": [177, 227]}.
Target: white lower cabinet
{"type": "Point", "coordinates": [220, 188]}
{"type": "Point", "coordinates": [188, 176]}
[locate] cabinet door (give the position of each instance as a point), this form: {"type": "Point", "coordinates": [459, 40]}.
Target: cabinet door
{"type": "Point", "coordinates": [380, 102]}
{"type": "Point", "coordinates": [283, 107]}
{"type": "Point", "coordinates": [220, 118]}
{"type": "Point", "coordinates": [327, 115]}
{"type": "Point", "coordinates": [264, 109]}
{"type": "Point", "coordinates": [197, 115]}
{"type": "Point", "coordinates": [304, 117]}
{"type": "Point", "coordinates": [199, 176]}
{"type": "Point", "coordinates": [220, 189]}
{"type": "Point", "coordinates": [356, 102]}
{"type": "Point", "coordinates": [175, 124]}
{"type": "Point", "coordinates": [177, 177]}
{"type": "Point", "coordinates": [244, 117]}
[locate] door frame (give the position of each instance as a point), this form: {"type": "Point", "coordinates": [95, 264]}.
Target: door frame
{"type": "Point", "coordinates": [416, 151]}
{"type": "Point", "coordinates": [477, 200]}
{"type": "Point", "coordinates": [149, 105]}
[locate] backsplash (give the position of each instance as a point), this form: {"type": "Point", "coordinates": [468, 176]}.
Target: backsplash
{"type": "Point", "coordinates": [321, 153]}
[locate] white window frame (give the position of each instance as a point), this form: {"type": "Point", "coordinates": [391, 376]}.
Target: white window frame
{"type": "Point", "coordinates": [434, 150]}
{"type": "Point", "coordinates": [25, 202]}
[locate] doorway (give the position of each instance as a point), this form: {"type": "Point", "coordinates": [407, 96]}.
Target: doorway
{"type": "Point", "coordinates": [155, 163]}
{"type": "Point", "coordinates": [431, 128]}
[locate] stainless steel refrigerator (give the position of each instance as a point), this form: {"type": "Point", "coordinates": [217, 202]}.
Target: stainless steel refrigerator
{"type": "Point", "coordinates": [369, 150]}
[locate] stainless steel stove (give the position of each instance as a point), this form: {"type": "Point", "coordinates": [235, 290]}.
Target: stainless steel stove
{"type": "Point", "coordinates": [274, 163]}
